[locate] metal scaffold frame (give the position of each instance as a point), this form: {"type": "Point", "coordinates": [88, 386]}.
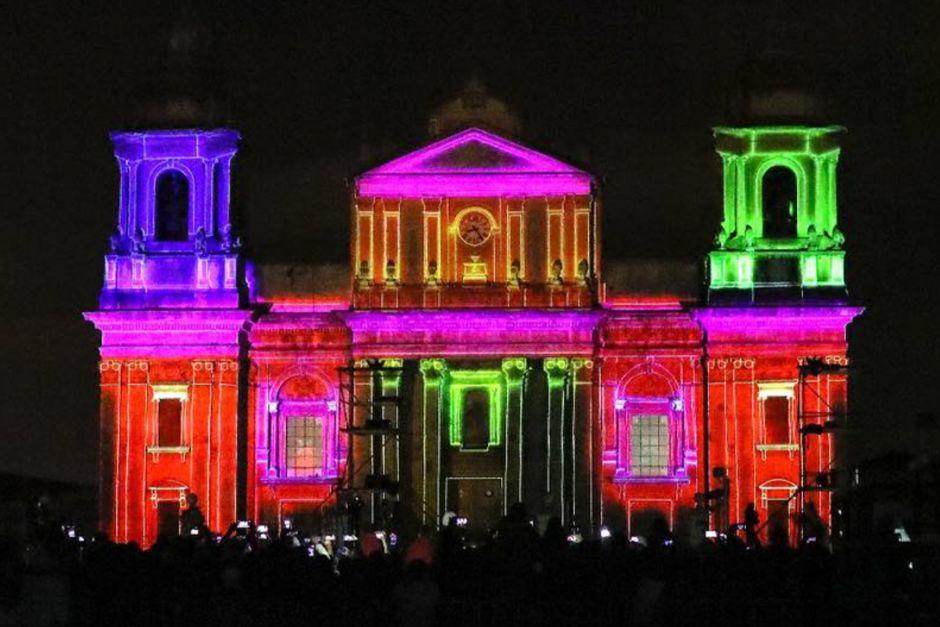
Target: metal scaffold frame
{"type": "Point", "coordinates": [372, 402]}
{"type": "Point", "coordinates": [818, 423]}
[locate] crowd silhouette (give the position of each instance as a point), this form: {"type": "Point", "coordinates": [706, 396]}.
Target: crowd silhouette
{"type": "Point", "coordinates": [253, 576]}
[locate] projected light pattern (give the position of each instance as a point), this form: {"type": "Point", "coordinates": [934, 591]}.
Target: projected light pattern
{"type": "Point", "coordinates": [498, 365]}
{"type": "Point", "coordinates": [461, 381]}
{"type": "Point", "coordinates": [773, 235]}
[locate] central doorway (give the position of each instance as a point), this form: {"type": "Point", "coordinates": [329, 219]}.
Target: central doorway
{"type": "Point", "coordinates": [478, 499]}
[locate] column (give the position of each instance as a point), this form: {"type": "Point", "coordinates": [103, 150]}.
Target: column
{"type": "Point", "coordinates": [584, 488]}
{"type": "Point", "coordinates": [109, 445]}
{"type": "Point", "coordinates": [390, 382]}
{"type": "Point", "coordinates": [427, 440]}
{"type": "Point", "coordinates": [556, 370]}
{"type": "Point", "coordinates": [515, 370]}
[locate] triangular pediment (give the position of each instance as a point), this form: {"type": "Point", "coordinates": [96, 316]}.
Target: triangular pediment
{"type": "Point", "coordinates": [474, 162]}
{"type": "Point", "coordinates": [473, 154]}
{"type": "Point", "coordinates": [474, 150]}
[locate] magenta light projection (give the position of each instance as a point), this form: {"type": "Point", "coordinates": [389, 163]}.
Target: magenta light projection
{"type": "Point", "coordinates": [756, 321]}
{"type": "Point", "coordinates": [474, 163]}
{"type": "Point", "coordinates": [476, 332]}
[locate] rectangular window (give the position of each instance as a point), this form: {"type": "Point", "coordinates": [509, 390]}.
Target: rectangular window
{"type": "Point", "coordinates": [649, 445]}
{"type": "Point", "coordinates": [475, 408]}
{"type": "Point", "coordinates": [475, 426]}
{"type": "Point", "coordinates": [169, 422]}
{"type": "Point", "coordinates": [304, 446]}
{"type": "Point", "coordinates": [777, 420]}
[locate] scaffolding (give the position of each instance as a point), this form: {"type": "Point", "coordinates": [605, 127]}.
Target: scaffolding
{"type": "Point", "coordinates": [813, 424]}
{"type": "Point", "coordinates": [372, 402]}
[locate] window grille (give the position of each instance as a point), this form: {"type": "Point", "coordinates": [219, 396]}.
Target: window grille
{"type": "Point", "coordinates": [304, 447]}
{"type": "Point", "coordinates": [649, 445]}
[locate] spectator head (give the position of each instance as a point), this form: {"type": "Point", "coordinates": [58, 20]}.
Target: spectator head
{"type": "Point", "coordinates": [517, 512]}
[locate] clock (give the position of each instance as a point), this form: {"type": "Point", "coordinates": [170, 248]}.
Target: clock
{"type": "Point", "coordinates": [475, 228]}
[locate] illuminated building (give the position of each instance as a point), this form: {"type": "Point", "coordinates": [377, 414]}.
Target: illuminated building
{"type": "Point", "coordinates": [476, 346]}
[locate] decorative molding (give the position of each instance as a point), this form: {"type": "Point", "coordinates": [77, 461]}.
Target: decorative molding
{"type": "Point", "coordinates": [776, 389]}
{"type": "Point", "coordinates": [178, 391]}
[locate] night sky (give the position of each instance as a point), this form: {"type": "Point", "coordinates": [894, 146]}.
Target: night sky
{"type": "Point", "coordinates": [630, 89]}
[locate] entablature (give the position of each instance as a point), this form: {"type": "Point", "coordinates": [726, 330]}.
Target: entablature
{"type": "Point", "coordinates": [171, 332]}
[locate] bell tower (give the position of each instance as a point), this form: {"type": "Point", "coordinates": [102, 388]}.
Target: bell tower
{"type": "Point", "coordinates": [174, 245]}
{"type": "Point", "coordinates": [173, 319]}
{"type": "Point", "coordinates": [780, 225]}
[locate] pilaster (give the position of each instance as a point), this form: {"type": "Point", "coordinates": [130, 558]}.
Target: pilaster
{"type": "Point", "coordinates": [516, 370]}
{"type": "Point", "coordinates": [427, 439]}
{"type": "Point", "coordinates": [556, 370]}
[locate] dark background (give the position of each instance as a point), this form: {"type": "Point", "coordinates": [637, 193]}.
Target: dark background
{"type": "Point", "coordinates": [321, 89]}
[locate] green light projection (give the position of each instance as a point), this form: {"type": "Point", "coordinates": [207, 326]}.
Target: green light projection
{"type": "Point", "coordinates": [557, 369]}
{"type": "Point", "coordinates": [460, 381]}
{"type": "Point", "coordinates": [390, 382]}
{"type": "Point", "coordinates": [433, 371]}
{"type": "Point", "coordinates": [515, 369]}
{"type": "Point", "coordinates": [393, 377]}
{"type": "Point", "coordinates": [812, 256]}
{"type": "Point", "coordinates": [457, 383]}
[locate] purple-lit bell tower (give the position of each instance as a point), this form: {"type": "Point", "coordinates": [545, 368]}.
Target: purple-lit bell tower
{"type": "Point", "coordinates": [174, 245]}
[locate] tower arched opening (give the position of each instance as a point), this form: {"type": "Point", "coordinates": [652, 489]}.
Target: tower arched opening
{"type": "Point", "coordinates": [779, 202]}
{"type": "Point", "coordinates": [172, 207]}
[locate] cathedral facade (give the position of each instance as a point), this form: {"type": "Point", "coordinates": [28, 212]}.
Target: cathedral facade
{"type": "Point", "coordinates": [476, 356]}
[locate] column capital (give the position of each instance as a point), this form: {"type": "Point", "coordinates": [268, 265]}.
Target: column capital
{"type": "Point", "coordinates": [582, 368]}
{"type": "Point", "coordinates": [556, 368]}
{"type": "Point", "coordinates": [579, 363]}
{"type": "Point", "coordinates": [432, 370]}
{"type": "Point", "coordinates": [515, 369]}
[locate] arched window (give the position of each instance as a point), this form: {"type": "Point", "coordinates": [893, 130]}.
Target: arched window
{"type": "Point", "coordinates": [779, 202]}
{"type": "Point", "coordinates": [172, 207]}
{"type": "Point", "coordinates": [649, 417]}
{"type": "Point", "coordinates": [303, 418]}
{"type": "Point", "coordinates": [303, 446]}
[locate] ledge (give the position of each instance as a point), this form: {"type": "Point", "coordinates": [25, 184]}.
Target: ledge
{"type": "Point", "coordinates": [669, 479]}
{"type": "Point", "coordinates": [777, 447]}
{"type": "Point", "coordinates": [168, 450]}
{"type": "Point", "coordinates": [290, 481]}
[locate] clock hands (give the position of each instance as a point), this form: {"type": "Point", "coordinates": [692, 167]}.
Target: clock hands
{"type": "Point", "coordinates": [474, 230]}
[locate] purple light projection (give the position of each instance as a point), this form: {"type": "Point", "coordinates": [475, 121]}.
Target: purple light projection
{"type": "Point", "coordinates": [197, 267]}
{"type": "Point", "coordinates": [170, 334]}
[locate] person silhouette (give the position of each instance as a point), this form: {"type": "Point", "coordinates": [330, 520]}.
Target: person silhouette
{"type": "Point", "coordinates": [751, 521]}
{"type": "Point", "coordinates": [191, 517]}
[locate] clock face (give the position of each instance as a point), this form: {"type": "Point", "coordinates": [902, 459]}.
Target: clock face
{"type": "Point", "coordinates": [474, 228]}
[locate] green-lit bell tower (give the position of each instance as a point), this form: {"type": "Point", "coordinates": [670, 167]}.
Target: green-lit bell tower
{"type": "Point", "coordinates": [780, 228]}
